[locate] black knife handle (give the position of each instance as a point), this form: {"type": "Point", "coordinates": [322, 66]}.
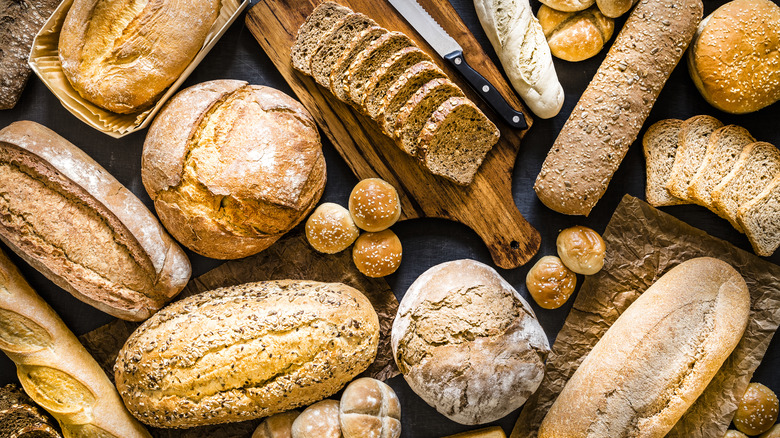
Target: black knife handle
{"type": "Point", "coordinates": [489, 93]}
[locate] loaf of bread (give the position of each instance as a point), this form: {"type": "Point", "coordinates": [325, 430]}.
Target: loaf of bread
{"type": "Point", "coordinates": [468, 343]}
{"type": "Point", "coordinates": [611, 111]}
{"type": "Point", "coordinates": [54, 368]}
{"type": "Point", "coordinates": [245, 352]}
{"type": "Point", "coordinates": [231, 167]}
{"type": "Point", "coordinates": [657, 357]}
{"type": "Point", "coordinates": [121, 55]}
{"type": "Point", "coordinates": [575, 36]}
{"type": "Point", "coordinates": [74, 222]}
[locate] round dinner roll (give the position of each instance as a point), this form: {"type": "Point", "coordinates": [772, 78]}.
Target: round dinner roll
{"type": "Point", "coordinates": [575, 36]}
{"type": "Point", "coordinates": [231, 167]}
{"type": "Point", "coordinates": [370, 408]}
{"type": "Point", "coordinates": [468, 343]}
{"type": "Point", "coordinates": [550, 282]}
{"type": "Point", "coordinates": [569, 5]}
{"type": "Point", "coordinates": [734, 58]}
{"type": "Point", "coordinates": [377, 254]}
{"type": "Point", "coordinates": [320, 420]}
{"type": "Point", "coordinates": [757, 411]}
{"type": "Point", "coordinates": [330, 229]}
{"type": "Point", "coordinates": [374, 204]}
{"type": "Point", "coordinates": [277, 426]}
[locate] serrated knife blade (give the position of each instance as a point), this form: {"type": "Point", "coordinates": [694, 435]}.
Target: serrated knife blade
{"type": "Point", "coordinates": [427, 26]}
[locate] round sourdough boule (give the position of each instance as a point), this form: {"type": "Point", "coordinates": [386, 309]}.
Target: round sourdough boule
{"type": "Point", "coordinates": [374, 204]}
{"type": "Point", "coordinates": [734, 58]}
{"type": "Point", "coordinates": [244, 352]}
{"type": "Point", "coordinates": [320, 420]}
{"type": "Point", "coordinates": [575, 36]}
{"type": "Point", "coordinates": [757, 410]}
{"type": "Point", "coordinates": [370, 408]}
{"type": "Point", "coordinates": [377, 254]}
{"type": "Point", "coordinates": [277, 425]}
{"type": "Point", "coordinates": [330, 229]}
{"type": "Point", "coordinates": [468, 343]}
{"type": "Point", "coordinates": [231, 167]}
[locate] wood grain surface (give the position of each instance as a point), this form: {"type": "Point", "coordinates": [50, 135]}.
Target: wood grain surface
{"type": "Point", "coordinates": [486, 206]}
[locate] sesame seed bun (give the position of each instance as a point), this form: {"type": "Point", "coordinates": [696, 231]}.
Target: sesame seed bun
{"type": "Point", "coordinates": [330, 229]}
{"type": "Point", "coordinates": [377, 254]}
{"type": "Point", "coordinates": [757, 411]}
{"type": "Point", "coordinates": [374, 204]}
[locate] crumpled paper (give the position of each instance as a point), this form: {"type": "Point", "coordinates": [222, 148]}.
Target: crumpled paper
{"type": "Point", "coordinates": [290, 258]}
{"type": "Point", "coordinates": [644, 243]}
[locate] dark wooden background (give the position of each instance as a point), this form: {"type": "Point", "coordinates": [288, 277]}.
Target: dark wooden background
{"type": "Point", "coordinates": [426, 242]}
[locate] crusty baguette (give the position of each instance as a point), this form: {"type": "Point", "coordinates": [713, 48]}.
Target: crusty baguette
{"type": "Point", "coordinates": [70, 219]}
{"type": "Point", "coordinates": [657, 358]}
{"type": "Point", "coordinates": [54, 368]}
{"type": "Point", "coordinates": [611, 111]}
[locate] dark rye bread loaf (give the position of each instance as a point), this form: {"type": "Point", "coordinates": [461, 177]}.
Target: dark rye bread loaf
{"type": "Point", "coordinates": [333, 45]}
{"type": "Point", "coordinates": [419, 108]}
{"type": "Point", "coordinates": [375, 89]}
{"type": "Point", "coordinates": [311, 33]}
{"type": "Point", "coordinates": [356, 45]}
{"type": "Point", "coordinates": [402, 89]}
{"type": "Point", "coordinates": [369, 60]}
{"type": "Point", "coordinates": [455, 140]}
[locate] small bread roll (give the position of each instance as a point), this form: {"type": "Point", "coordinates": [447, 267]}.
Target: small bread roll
{"type": "Point", "coordinates": [614, 8]}
{"type": "Point", "coordinates": [575, 36]}
{"type": "Point", "coordinates": [734, 434]}
{"type": "Point", "coordinates": [330, 229]}
{"type": "Point", "coordinates": [377, 254]}
{"type": "Point", "coordinates": [374, 204]}
{"type": "Point", "coordinates": [320, 420]}
{"type": "Point", "coordinates": [774, 432]}
{"type": "Point", "coordinates": [370, 408]}
{"type": "Point", "coordinates": [277, 426]}
{"type": "Point", "coordinates": [569, 5]}
{"type": "Point", "coordinates": [757, 411]}
{"type": "Point", "coordinates": [550, 282]}
{"type": "Point", "coordinates": [581, 249]}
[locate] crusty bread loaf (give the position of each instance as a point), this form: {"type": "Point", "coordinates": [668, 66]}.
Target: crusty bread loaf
{"type": "Point", "coordinates": [74, 222]}
{"type": "Point", "coordinates": [694, 137]}
{"type": "Point", "coordinates": [313, 31]}
{"type": "Point", "coordinates": [231, 167]}
{"type": "Point", "coordinates": [54, 368]}
{"type": "Point", "coordinates": [247, 351]}
{"type": "Point", "coordinates": [760, 219]}
{"type": "Point", "coordinates": [611, 111]}
{"type": "Point", "coordinates": [660, 143]}
{"type": "Point", "coordinates": [657, 358]}
{"type": "Point", "coordinates": [121, 55]}
{"type": "Point", "coordinates": [575, 36]}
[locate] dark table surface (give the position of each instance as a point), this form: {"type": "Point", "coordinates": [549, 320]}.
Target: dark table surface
{"type": "Point", "coordinates": [426, 242]}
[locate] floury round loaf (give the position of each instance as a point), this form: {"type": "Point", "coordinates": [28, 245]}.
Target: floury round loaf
{"type": "Point", "coordinates": [468, 343]}
{"type": "Point", "coordinates": [244, 352]}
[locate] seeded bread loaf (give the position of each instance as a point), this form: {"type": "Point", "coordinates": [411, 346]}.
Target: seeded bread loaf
{"type": "Point", "coordinates": [367, 62]}
{"type": "Point", "coordinates": [402, 90]}
{"type": "Point", "coordinates": [245, 352]}
{"type": "Point", "coordinates": [70, 219]}
{"type": "Point", "coordinates": [760, 219]}
{"type": "Point", "coordinates": [613, 108]}
{"type": "Point", "coordinates": [338, 72]}
{"type": "Point", "coordinates": [661, 143]}
{"type": "Point", "coordinates": [418, 109]}
{"type": "Point", "coordinates": [694, 136]}
{"type": "Point", "coordinates": [312, 32]}
{"type": "Point", "coordinates": [375, 89]}
{"type": "Point", "coordinates": [332, 46]}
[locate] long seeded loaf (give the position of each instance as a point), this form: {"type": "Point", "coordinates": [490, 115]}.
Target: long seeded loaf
{"type": "Point", "coordinates": [413, 115]}
{"type": "Point", "coordinates": [660, 144]}
{"type": "Point", "coordinates": [403, 89]}
{"type": "Point", "coordinates": [375, 89]}
{"type": "Point", "coordinates": [369, 60]}
{"type": "Point", "coordinates": [332, 46]}
{"type": "Point", "coordinates": [356, 45]}
{"type": "Point", "coordinates": [694, 136]}
{"type": "Point", "coordinates": [760, 219]}
{"type": "Point", "coordinates": [313, 30]}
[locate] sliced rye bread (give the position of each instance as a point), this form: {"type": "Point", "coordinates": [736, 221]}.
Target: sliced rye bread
{"type": "Point", "coordinates": [455, 140]}
{"type": "Point", "coordinates": [760, 218]}
{"type": "Point", "coordinates": [375, 89]}
{"type": "Point", "coordinates": [324, 58]}
{"type": "Point", "coordinates": [694, 134]}
{"type": "Point", "coordinates": [757, 165]}
{"type": "Point", "coordinates": [402, 89]}
{"type": "Point", "coordinates": [311, 32]}
{"type": "Point", "coordinates": [660, 144]}
{"type": "Point", "coordinates": [369, 60]}
{"type": "Point", "coordinates": [723, 150]}
{"type": "Point", "coordinates": [339, 70]}
{"type": "Point", "coordinates": [416, 111]}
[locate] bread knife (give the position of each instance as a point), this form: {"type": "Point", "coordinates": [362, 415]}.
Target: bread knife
{"type": "Point", "coordinates": [450, 50]}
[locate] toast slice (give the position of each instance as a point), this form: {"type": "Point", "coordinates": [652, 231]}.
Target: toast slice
{"type": "Point", "coordinates": [723, 150]}
{"type": "Point", "coordinates": [332, 45]}
{"type": "Point", "coordinates": [757, 165]}
{"type": "Point", "coordinates": [310, 34]}
{"type": "Point", "coordinates": [403, 89]}
{"type": "Point", "coordinates": [419, 108]}
{"type": "Point", "coordinates": [660, 144]}
{"type": "Point", "coordinates": [694, 134]}
{"type": "Point", "coordinates": [760, 218]}
{"type": "Point", "coordinates": [339, 70]}
{"type": "Point", "coordinates": [455, 140]}
{"type": "Point", "coordinates": [369, 60]}
{"type": "Point", "coordinates": [375, 89]}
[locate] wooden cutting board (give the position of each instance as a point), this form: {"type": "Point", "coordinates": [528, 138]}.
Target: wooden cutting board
{"type": "Point", "coordinates": [486, 206]}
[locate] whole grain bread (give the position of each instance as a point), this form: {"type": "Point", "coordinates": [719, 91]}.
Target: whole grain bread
{"type": "Point", "coordinates": [760, 219]}
{"type": "Point", "coordinates": [376, 88]}
{"type": "Point", "coordinates": [313, 30]}
{"type": "Point", "coordinates": [403, 89]}
{"type": "Point", "coordinates": [332, 46]}
{"type": "Point", "coordinates": [20, 417]}
{"type": "Point", "coordinates": [757, 165]}
{"type": "Point", "coordinates": [660, 144]}
{"type": "Point", "coordinates": [356, 45]}
{"type": "Point", "coordinates": [612, 110]}
{"type": "Point", "coordinates": [694, 136]}
{"type": "Point", "coordinates": [367, 62]}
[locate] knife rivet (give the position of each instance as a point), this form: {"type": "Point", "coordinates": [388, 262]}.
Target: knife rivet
{"type": "Point", "coordinates": [457, 61]}
{"type": "Point", "coordinates": [516, 119]}
{"type": "Point", "coordinates": [485, 88]}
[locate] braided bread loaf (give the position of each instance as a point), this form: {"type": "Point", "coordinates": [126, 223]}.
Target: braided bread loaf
{"type": "Point", "coordinates": [54, 368]}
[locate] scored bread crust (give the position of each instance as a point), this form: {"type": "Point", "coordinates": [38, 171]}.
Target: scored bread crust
{"type": "Point", "coordinates": [694, 135]}
{"type": "Point", "coordinates": [659, 160]}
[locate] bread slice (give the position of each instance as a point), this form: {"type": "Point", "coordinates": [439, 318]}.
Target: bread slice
{"type": "Point", "coordinates": [311, 33]}
{"type": "Point", "coordinates": [369, 60]}
{"type": "Point", "coordinates": [723, 149]}
{"type": "Point", "coordinates": [760, 218]}
{"type": "Point", "coordinates": [694, 134]}
{"type": "Point", "coordinates": [758, 164]}
{"type": "Point", "coordinates": [339, 70]}
{"type": "Point", "coordinates": [660, 144]}
{"type": "Point", "coordinates": [375, 89]}
{"type": "Point", "coordinates": [455, 140]}
{"type": "Point", "coordinates": [413, 115]}
{"type": "Point", "coordinates": [333, 44]}
{"type": "Point", "coordinates": [402, 89]}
